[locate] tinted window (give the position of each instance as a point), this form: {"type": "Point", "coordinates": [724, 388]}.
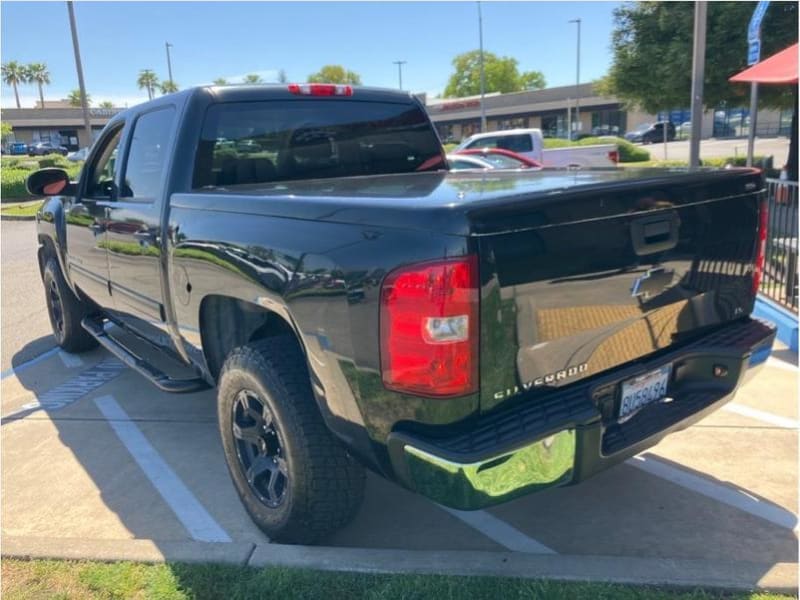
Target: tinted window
{"type": "Point", "coordinates": [147, 155]}
{"type": "Point", "coordinates": [259, 142]}
{"type": "Point", "coordinates": [103, 170]}
{"type": "Point", "coordinates": [487, 142]}
{"type": "Point", "coordinates": [516, 143]}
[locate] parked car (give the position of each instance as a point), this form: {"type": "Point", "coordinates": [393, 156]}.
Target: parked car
{"type": "Point", "coordinates": [17, 148]}
{"type": "Point", "coordinates": [486, 337]}
{"type": "Point", "coordinates": [502, 159]}
{"type": "Point", "coordinates": [42, 148]}
{"type": "Point", "coordinates": [529, 142]}
{"type": "Point", "coordinates": [684, 130]}
{"type": "Point", "coordinates": [460, 162]}
{"type": "Point", "coordinates": [78, 155]}
{"type": "Point", "coordinates": [651, 133]}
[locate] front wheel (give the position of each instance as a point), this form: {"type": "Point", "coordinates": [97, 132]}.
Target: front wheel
{"type": "Point", "coordinates": [65, 310]}
{"type": "Point", "coordinates": [294, 478]}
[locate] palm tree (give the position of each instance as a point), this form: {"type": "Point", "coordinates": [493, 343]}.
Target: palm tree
{"type": "Point", "coordinates": [13, 75]}
{"type": "Point", "coordinates": [74, 99]}
{"type": "Point", "coordinates": [106, 104]}
{"type": "Point", "coordinates": [37, 73]}
{"type": "Point", "coordinates": [220, 81]}
{"type": "Point", "coordinates": [168, 87]}
{"type": "Point", "coordinates": [253, 78]}
{"type": "Point", "coordinates": [147, 80]}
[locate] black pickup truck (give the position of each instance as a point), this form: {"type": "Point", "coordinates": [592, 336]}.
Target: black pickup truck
{"type": "Point", "coordinates": [472, 336]}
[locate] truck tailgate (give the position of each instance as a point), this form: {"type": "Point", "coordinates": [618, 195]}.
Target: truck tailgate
{"type": "Point", "coordinates": [579, 282]}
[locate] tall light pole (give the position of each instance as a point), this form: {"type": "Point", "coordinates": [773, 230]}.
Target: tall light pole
{"type": "Point", "coordinates": [167, 45]}
{"type": "Point", "coordinates": [483, 74]}
{"type": "Point", "coordinates": [698, 73]}
{"type": "Point", "coordinates": [84, 105]}
{"type": "Point", "coordinates": [399, 64]}
{"type": "Point", "coordinates": [577, 79]}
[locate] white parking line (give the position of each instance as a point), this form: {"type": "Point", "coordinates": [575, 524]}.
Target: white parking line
{"type": "Point", "coordinates": [499, 531]}
{"type": "Point", "coordinates": [71, 361]}
{"type": "Point", "coordinates": [736, 498]}
{"type": "Point", "coordinates": [194, 517]}
{"type": "Point", "coordinates": [760, 415]}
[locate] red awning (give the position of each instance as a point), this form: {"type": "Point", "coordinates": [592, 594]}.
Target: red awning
{"type": "Point", "coordinates": [778, 68]}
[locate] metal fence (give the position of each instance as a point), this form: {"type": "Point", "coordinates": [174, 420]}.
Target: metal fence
{"type": "Point", "coordinates": [780, 280]}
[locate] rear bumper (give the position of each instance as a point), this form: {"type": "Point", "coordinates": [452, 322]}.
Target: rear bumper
{"type": "Point", "coordinates": [569, 435]}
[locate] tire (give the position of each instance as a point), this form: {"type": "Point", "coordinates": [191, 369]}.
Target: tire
{"type": "Point", "coordinates": [65, 310]}
{"type": "Point", "coordinates": [303, 484]}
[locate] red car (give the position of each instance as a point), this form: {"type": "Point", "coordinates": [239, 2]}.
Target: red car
{"type": "Point", "coordinates": [503, 159]}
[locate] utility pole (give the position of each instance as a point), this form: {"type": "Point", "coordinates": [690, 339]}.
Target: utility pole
{"type": "Point", "coordinates": [84, 105]}
{"type": "Point", "coordinates": [167, 45]}
{"type": "Point", "coordinates": [577, 81]}
{"type": "Point", "coordinates": [698, 73]}
{"type": "Point", "coordinates": [483, 74]}
{"type": "Point", "coordinates": [399, 64]}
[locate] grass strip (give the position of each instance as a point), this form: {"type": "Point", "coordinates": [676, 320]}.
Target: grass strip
{"type": "Point", "coordinates": [32, 579]}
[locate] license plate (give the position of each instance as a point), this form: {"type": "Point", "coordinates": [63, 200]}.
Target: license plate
{"type": "Point", "coordinates": [643, 390]}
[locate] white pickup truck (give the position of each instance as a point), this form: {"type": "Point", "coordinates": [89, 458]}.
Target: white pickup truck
{"type": "Point", "coordinates": [530, 143]}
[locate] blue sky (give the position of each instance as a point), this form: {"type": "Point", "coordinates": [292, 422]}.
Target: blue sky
{"type": "Point", "coordinates": [230, 39]}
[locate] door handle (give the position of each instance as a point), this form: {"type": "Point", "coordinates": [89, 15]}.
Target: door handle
{"type": "Point", "coordinates": [656, 233]}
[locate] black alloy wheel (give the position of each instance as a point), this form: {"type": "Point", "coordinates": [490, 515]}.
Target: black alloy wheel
{"type": "Point", "coordinates": [259, 448]}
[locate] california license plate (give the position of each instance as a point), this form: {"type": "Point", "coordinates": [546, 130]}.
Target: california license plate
{"type": "Point", "coordinates": [643, 390]}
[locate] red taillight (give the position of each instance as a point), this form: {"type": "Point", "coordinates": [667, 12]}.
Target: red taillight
{"type": "Point", "coordinates": [320, 89]}
{"type": "Point", "coordinates": [429, 328]}
{"type": "Point", "coordinates": [613, 156]}
{"type": "Point", "coordinates": [763, 225]}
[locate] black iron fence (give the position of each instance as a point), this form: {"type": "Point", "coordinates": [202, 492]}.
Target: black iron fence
{"type": "Point", "coordinates": [780, 280]}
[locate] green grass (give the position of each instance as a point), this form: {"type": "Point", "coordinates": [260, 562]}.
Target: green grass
{"type": "Point", "coordinates": [22, 210]}
{"type": "Point", "coordinates": [87, 580]}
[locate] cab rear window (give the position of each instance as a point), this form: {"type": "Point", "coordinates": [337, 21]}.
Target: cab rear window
{"type": "Point", "coordinates": [262, 142]}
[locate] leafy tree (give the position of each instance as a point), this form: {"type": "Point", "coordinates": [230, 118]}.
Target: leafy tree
{"type": "Point", "coordinates": [37, 73]}
{"type": "Point", "coordinates": [168, 87]}
{"type": "Point", "coordinates": [335, 74]}
{"type": "Point", "coordinates": [14, 74]}
{"type": "Point", "coordinates": [5, 131]}
{"type": "Point", "coordinates": [220, 81]}
{"type": "Point", "coordinates": [147, 80]}
{"type": "Point", "coordinates": [252, 79]}
{"type": "Point", "coordinates": [106, 104]}
{"type": "Point", "coordinates": [74, 99]}
{"type": "Point", "coordinates": [282, 78]}
{"type": "Point", "coordinates": [501, 74]}
{"type": "Point", "coordinates": [652, 48]}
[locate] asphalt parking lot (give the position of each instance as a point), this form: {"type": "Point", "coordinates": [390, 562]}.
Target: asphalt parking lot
{"type": "Point", "coordinates": [92, 451]}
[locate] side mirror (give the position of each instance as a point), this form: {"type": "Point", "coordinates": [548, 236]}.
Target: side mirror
{"type": "Point", "coordinates": [49, 182]}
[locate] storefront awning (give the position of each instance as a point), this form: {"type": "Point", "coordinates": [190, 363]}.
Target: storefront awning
{"type": "Point", "coordinates": [778, 68]}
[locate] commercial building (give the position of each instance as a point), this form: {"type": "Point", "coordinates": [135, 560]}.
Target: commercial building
{"type": "Point", "coordinates": [553, 110]}
{"type": "Point", "coordinates": [55, 123]}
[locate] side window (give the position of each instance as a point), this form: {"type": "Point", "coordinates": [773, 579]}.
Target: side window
{"type": "Point", "coordinates": [100, 182]}
{"type": "Point", "coordinates": [147, 155]}
{"type": "Point", "coordinates": [487, 142]}
{"type": "Point", "coordinates": [516, 143]}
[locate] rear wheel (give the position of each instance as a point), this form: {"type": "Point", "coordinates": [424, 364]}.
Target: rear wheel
{"type": "Point", "coordinates": [294, 478]}
{"type": "Point", "coordinates": [65, 310]}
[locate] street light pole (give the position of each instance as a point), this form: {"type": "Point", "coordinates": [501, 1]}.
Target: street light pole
{"type": "Point", "coordinates": [698, 73]}
{"type": "Point", "coordinates": [483, 74]}
{"type": "Point", "coordinates": [577, 80]}
{"type": "Point", "coordinates": [79, 67]}
{"type": "Point", "coordinates": [167, 45]}
{"type": "Point", "coordinates": [399, 64]}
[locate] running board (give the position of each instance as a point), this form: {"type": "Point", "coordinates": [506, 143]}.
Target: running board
{"type": "Point", "coordinates": [96, 327]}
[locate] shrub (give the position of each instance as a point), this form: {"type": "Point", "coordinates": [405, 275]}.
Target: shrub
{"type": "Point", "coordinates": [54, 160]}
{"type": "Point", "coordinates": [12, 184]}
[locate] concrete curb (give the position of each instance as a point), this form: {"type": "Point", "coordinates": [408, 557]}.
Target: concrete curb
{"type": "Point", "coordinates": [16, 218]}
{"type": "Point", "coordinates": [682, 573]}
